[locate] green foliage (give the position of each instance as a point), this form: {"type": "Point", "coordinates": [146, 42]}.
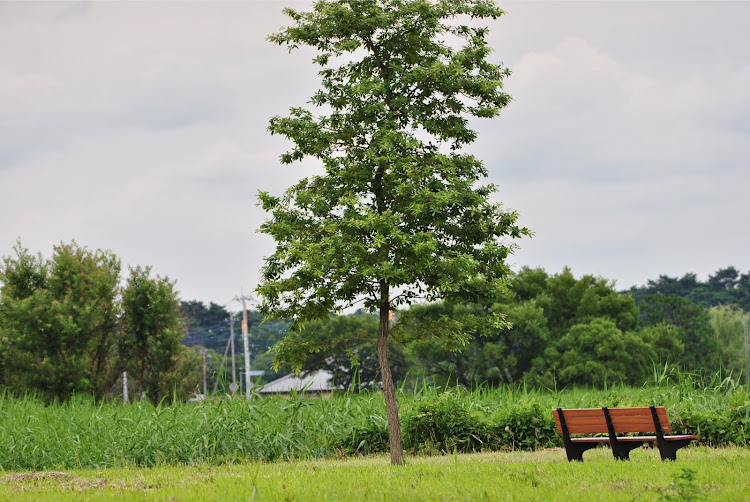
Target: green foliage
{"type": "Point", "coordinates": [725, 287]}
{"type": "Point", "coordinates": [665, 340]}
{"type": "Point", "coordinates": [728, 327]}
{"type": "Point", "coordinates": [588, 354]}
{"type": "Point", "coordinates": [344, 345]}
{"type": "Point", "coordinates": [491, 355]}
{"type": "Point", "coordinates": [81, 433]}
{"type": "Point", "coordinates": [567, 301]}
{"type": "Point", "coordinates": [525, 425]}
{"type": "Point", "coordinates": [152, 331]}
{"type": "Point", "coordinates": [69, 328]}
{"type": "Point", "coordinates": [59, 320]}
{"type": "Point", "coordinates": [445, 424]}
{"type": "Point", "coordinates": [694, 328]}
{"type": "Point", "coordinates": [185, 378]}
{"type": "Point", "coordinates": [207, 325]}
{"type": "Point", "coordinates": [367, 429]}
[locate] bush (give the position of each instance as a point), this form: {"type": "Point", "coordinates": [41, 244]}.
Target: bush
{"type": "Point", "coordinates": [370, 436]}
{"type": "Point", "coordinates": [445, 424]}
{"type": "Point", "coordinates": [526, 426]}
{"type": "Point", "coordinates": [727, 425]}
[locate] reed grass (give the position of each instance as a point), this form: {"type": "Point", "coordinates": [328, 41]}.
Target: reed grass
{"type": "Point", "coordinates": [83, 434]}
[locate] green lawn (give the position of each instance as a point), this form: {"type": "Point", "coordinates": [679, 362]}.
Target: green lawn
{"type": "Point", "coordinates": [699, 474]}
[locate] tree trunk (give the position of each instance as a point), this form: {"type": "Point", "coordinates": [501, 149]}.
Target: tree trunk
{"type": "Point", "coordinates": [389, 390]}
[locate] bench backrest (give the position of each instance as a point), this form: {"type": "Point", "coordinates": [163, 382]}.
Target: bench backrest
{"type": "Point", "coordinates": [592, 420]}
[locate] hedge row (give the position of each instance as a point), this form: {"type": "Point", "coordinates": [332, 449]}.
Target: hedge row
{"type": "Point", "coordinates": [448, 422]}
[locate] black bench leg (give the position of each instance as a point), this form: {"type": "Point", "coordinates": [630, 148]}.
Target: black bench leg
{"type": "Point", "coordinates": [621, 449]}
{"type": "Point", "coordinates": [668, 449]}
{"type": "Point", "coordinates": [575, 450]}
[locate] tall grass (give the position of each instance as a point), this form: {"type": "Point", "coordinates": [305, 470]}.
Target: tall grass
{"type": "Point", "coordinates": [83, 434]}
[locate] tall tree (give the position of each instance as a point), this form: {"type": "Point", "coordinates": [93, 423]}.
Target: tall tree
{"type": "Point", "coordinates": [152, 330]}
{"type": "Point", "coordinates": [207, 325]}
{"type": "Point", "coordinates": [399, 214]}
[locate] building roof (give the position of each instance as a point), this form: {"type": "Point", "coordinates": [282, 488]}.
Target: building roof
{"type": "Point", "coordinates": [319, 381]}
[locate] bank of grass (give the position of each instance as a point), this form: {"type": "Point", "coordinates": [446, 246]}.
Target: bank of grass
{"type": "Point", "coordinates": [82, 434]}
{"type": "Point", "coordinates": [701, 473]}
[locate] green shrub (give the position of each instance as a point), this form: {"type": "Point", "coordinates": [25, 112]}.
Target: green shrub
{"type": "Point", "coordinates": [370, 436]}
{"type": "Point", "coordinates": [525, 425]}
{"type": "Point", "coordinates": [445, 424]}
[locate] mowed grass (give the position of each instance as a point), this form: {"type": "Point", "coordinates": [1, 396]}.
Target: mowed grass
{"type": "Point", "coordinates": [700, 473]}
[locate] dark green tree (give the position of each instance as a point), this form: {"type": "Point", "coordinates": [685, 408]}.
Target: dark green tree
{"type": "Point", "coordinates": [725, 287]}
{"type": "Point", "coordinates": [567, 301]}
{"type": "Point", "coordinates": [492, 356]}
{"type": "Point", "coordinates": [595, 353]}
{"type": "Point", "coordinates": [59, 318]}
{"type": "Point", "coordinates": [694, 328]}
{"type": "Point", "coordinates": [153, 327]}
{"type": "Point", "coordinates": [399, 214]}
{"type": "Point", "coordinates": [206, 325]}
{"type": "Point", "coordinates": [665, 340]}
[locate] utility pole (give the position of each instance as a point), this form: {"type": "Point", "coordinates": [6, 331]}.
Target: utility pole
{"type": "Point", "coordinates": [247, 348]}
{"type": "Point", "coordinates": [231, 337]}
{"type": "Point", "coordinates": [205, 392]}
{"type": "Point", "coordinates": [747, 353]}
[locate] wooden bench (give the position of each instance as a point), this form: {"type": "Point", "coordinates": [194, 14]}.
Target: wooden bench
{"type": "Point", "coordinates": [614, 421]}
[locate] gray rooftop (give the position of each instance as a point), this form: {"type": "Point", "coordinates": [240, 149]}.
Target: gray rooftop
{"type": "Point", "coordinates": [318, 381]}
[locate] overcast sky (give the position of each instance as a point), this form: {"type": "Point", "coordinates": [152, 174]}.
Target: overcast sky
{"type": "Point", "coordinates": [141, 128]}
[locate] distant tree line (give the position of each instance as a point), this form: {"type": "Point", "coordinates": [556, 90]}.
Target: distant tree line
{"type": "Point", "coordinates": [565, 331]}
{"type": "Point", "coordinates": [68, 325]}
{"type": "Point", "coordinates": [725, 287]}
{"type": "Point", "coordinates": [72, 324]}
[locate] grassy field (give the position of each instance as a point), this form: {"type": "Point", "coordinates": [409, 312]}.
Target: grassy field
{"type": "Point", "coordinates": [700, 473]}
{"type": "Point", "coordinates": [82, 434]}
{"type": "Point", "coordinates": [312, 449]}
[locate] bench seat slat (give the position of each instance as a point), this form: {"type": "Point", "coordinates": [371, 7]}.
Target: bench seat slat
{"type": "Point", "coordinates": [591, 439]}
{"type": "Point", "coordinates": [603, 439]}
{"type": "Point", "coordinates": [582, 412]}
{"type": "Point", "coordinates": [679, 437]}
{"type": "Point", "coordinates": [636, 438]}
